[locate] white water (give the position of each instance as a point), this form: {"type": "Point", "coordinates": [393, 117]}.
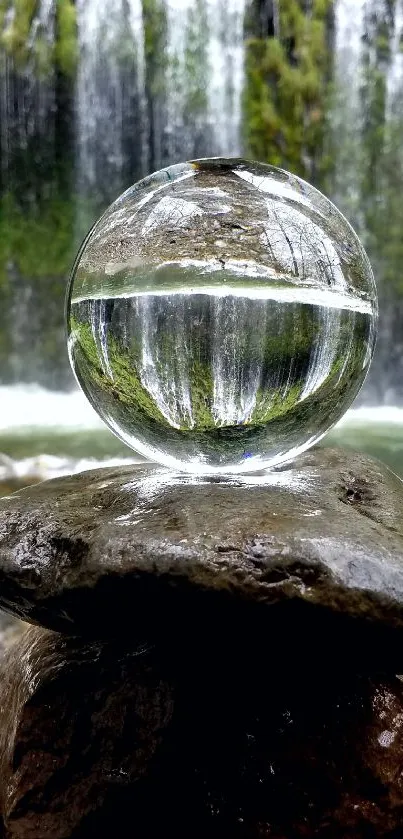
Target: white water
{"type": "Point", "coordinates": [226, 68]}
{"type": "Point", "coordinates": [46, 466]}
{"type": "Point", "coordinates": [222, 43]}
{"type": "Point", "coordinates": [169, 390]}
{"type": "Point", "coordinates": [32, 407]}
{"type": "Point", "coordinates": [111, 92]}
{"type": "Point", "coordinates": [395, 72]}
{"type": "Point", "coordinates": [346, 112]}
{"type": "Point", "coordinates": [105, 28]}
{"type": "Point", "coordinates": [29, 409]}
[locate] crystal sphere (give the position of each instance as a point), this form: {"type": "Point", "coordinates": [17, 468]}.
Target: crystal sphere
{"type": "Point", "coordinates": [221, 316]}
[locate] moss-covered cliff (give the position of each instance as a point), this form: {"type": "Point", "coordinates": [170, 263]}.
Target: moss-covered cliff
{"type": "Point", "coordinates": [295, 114]}
{"type": "Point", "coordinates": [287, 73]}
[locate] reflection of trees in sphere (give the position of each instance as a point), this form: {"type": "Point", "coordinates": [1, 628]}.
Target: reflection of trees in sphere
{"type": "Point", "coordinates": [221, 316]}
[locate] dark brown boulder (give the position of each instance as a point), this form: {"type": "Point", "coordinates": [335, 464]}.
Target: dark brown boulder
{"type": "Point", "coordinates": [116, 546]}
{"type": "Point", "coordinates": [76, 721]}
{"type": "Point", "coordinates": [317, 545]}
{"type": "Point", "coordinates": [100, 741]}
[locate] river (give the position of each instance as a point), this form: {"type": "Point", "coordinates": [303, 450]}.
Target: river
{"type": "Point", "coordinates": [45, 434]}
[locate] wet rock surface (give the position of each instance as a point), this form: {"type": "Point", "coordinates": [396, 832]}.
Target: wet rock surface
{"type": "Point", "coordinates": [133, 549]}
{"type": "Point", "coordinates": [98, 739]}
{"type": "Point", "coordinates": [76, 721]}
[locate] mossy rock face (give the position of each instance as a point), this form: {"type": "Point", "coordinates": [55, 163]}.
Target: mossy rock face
{"type": "Point", "coordinates": [140, 549]}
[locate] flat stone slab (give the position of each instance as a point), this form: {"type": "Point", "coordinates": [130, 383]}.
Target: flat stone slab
{"type": "Point", "coordinates": [145, 550]}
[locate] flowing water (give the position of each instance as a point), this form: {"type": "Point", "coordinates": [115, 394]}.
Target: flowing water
{"type": "Point", "coordinates": [117, 131]}
{"type": "Point", "coordinates": [123, 127]}
{"type": "Point", "coordinates": [273, 363]}
{"type": "Point", "coordinates": [44, 434]}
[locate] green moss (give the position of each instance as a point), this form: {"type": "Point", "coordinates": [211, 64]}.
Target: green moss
{"type": "Point", "coordinates": [201, 394]}
{"type": "Point", "coordinates": [126, 387]}
{"type": "Point", "coordinates": [66, 46]}
{"type": "Point", "coordinates": [39, 243]}
{"type": "Point", "coordinates": [155, 36]}
{"type": "Point", "coordinates": [16, 36]}
{"type": "Point", "coordinates": [15, 33]}
{"type": "Point", "coordinates": [271, 404]}
{"type": "Point", "coordinates": [285, 90]}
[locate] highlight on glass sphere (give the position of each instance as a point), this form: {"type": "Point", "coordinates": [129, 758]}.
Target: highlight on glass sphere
{"type": "Point", "coordinates": [221, 316]}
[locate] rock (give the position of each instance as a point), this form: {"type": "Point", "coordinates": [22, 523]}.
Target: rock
{"type": "Point", "coordinates": [76, 721]}
{"type": "Point", "coordinates": [144, 550]}
{"type": "Point", "coordinates": [100, 740]}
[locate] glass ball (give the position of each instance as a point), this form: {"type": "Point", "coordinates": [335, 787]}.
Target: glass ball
{"type": "Point", "coordinates": [221, 316]}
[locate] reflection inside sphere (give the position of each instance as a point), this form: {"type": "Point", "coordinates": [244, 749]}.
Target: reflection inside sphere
{"type": "Point", "coordinates": [221, 316]}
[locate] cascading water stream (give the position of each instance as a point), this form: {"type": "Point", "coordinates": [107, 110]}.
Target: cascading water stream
{"type": "Point", "coordinates": [24, 91]}
{"type": "Point", "coordinates": [110, 94]}
{"type": "Point", "coordinates": [123, 130]}
{"type": "Point", "coordinates": [202, 79]}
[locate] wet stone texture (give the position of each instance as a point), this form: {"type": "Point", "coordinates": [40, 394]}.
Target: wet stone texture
{"type": "Point", "coordinates": [316, 545]}
{"type": "Point", "coordinates": [101, 740]}
{"type": "Point", "coordinates": [223, 664]}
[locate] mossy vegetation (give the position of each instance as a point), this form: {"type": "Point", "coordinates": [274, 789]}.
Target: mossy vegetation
{"type": "Point", "coordinates": [23, 38]}
{"type": "Point", "coordinates": [66, 43]}
{"type": "Point", "coordinates": [38, 244]}
{"type": "Point", "coordinates": [125, 387]}
{"type": "Point", "coordinates": [16, 18]}
{"type": "Point", "coordinates": [286, 79]}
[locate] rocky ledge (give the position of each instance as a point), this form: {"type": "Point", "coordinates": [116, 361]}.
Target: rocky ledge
{"type": "Point", "coordinates": [316, 545]}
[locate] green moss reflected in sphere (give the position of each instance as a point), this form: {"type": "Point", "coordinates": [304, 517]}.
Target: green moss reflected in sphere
{"type": "Point", "coordinates": [221, 316]}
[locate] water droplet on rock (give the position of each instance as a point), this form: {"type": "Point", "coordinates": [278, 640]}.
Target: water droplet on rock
{"type": "Point", "coordinates": [221, 316]}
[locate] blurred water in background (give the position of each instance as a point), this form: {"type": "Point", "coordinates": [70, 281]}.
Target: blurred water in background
{"type": "Point", "coordinates": [95, 94]}
{"type": "Point", "coordinates": [45, 434]}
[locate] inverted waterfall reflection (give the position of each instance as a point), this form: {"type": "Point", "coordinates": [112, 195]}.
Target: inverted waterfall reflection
{"type": "Point", "coordinates": [99, 318]}
{"type": "Point", "coordinates": [163, 363]}
{"type": "Point", "coordinates": [223, 359]}
{"type": "Point", "coordinates": [239, 334]}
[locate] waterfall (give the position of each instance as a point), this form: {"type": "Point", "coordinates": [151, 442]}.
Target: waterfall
{"type": "Point", "coordinates": [346, 110]}
{"type": "Point", "coordinates": [219, 115]}
{"type": "Point", "coordinates": [121, 133]}
{"type": "Point", "coordinates": [395, 74]}
{"type": "Point", "coordinates": [27, 100]}
{"type": "Point", "coordinates": [366, 119]}
{"type": "Point", "coordinates": [239, 331]}
{"type": "Point", "coordinates": [110, 95]}
{"type": "Point", "coordinates": [159, 82]}
{"type": "Point", "coordinates": [164, 374]}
